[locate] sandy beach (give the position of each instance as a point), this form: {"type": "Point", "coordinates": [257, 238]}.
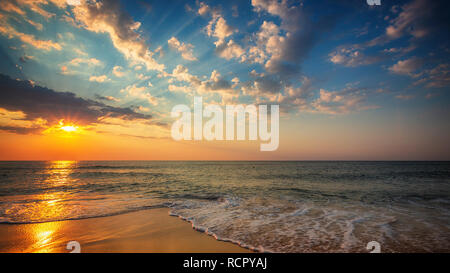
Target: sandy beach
{"type": "Point", "coordinates": [143, 231]}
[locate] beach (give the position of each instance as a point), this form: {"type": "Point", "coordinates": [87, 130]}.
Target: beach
{"type": "Point", "coordinates": [131, 206]}
{"type": "Point", "coordinates": [150, 230]}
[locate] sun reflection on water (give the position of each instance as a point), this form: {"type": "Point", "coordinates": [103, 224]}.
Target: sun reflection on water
{"type": "Point", "coordinates": [52, 205]}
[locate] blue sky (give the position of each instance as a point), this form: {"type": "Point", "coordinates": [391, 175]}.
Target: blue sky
{"type": "Point", "coordinates": [332, 66]}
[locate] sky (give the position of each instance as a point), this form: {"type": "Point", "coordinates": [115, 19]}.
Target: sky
{"type": "Point", "coordinates": [97, 80]}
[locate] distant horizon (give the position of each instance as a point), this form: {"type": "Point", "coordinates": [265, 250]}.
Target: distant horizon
{"type": "Point", "coordinates": [226, 160]}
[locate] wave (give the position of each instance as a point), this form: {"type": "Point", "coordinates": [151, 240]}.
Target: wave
{"type": "Point", "coordinates": [218, 238]}
{"type": "Point", "coordinates": [4, 220]}
{"type": "Point", "coordinates": [308, 227]}
{"type": "Point", "coordinates": [112, 167]}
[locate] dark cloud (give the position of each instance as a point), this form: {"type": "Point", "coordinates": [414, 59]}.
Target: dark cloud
{"type": "Point", "coordinates": [40, 102]}
{"type": "Point", "coordinates": [25, 58]}
{"type": "Point", "coordinates": [300, 43]}
{"type": "Point", "coordinates": [105, 98]}
{"type": "Point", "coordinates": [420, 21]}
{"type": "Point", "coordinates": [268, 84]}
{"type": "Point", "coordinates": [304, 34]}
{"type": "Point", "coordinates": [21, 130]}
{"type": "Point", "coordinates": [219, 84]}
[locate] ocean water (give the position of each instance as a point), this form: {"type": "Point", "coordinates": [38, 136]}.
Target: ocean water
{"type": "Point", "coordinates": [265, 206]}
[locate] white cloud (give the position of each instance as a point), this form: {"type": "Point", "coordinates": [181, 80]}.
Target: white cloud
{"type": "Point", "coordinates": [117, 71]}
{"type": "Point", "coordinates": [101, 78]}
{"type": "Point", "coordinates": [352, 57]}
{"type": "Point", "coordinates": [139, 92]}
{"type": "Point", "coordinates": [268, 44]}
{"type": "Point", "coordinates": [341, 102]}
{"type": "Point", "coordinates": [121, 28]}
{"type": "Point", "coordinates": [175, 88]}
{"type": "Point", "coordinates": [186, 50]}
{"type": "Point", "coordinates": [204, 9]}
{"type": "Point", "coordinates": [91, 61]}
{"type": "Point", "coordinates": [229, 50]}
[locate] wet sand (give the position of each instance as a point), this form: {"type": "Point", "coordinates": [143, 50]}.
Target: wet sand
{"type": "Point", "coordinates": [143, 231]}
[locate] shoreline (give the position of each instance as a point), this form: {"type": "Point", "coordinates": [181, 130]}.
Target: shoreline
{"type": "Point", "coordinates": [152, 230]}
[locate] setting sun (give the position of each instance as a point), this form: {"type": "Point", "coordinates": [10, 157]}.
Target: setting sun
{"type": "Point", "coordinates": [64, 129]}
{"type": "Point", "coordinates": [69, 128]}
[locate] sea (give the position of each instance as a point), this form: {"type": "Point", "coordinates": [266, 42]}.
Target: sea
{"type": "Point", "coordinates": [287, 206]}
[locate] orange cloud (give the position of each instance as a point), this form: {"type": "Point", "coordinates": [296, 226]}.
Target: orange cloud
{"type": "Point", "coordinates": [47, 45]}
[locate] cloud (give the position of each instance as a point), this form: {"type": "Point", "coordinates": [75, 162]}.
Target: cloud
{"type": "Point", "coordinates": [439, 76]}
{"type": "Point", "coordinates": [181, 73]}
{"type": "Point", "coordinates": [38, 26]}
{"type": "Point", "coordinates": [26, 58]}
{"type": "Point", "coordinates": [406, 67]}
{"type": "Point", "coordinates": [10, 6]}
{"type": "Point", "coordinates": [303, 98]}
{"type": "Point", "coordinates": [122, 29]}
{"type": "Point", "coordinates": [117, 71]}
{"type": "Point", "coordinates": [229, 50]}
{"type": "Point", "coordinates": [139, 92]}
{"type": "Point", "coordinates": [298, 98]}
{"type": "Point", "coordinates": [204, 9]}
{"type": "Point", "coordinates": [268, 43]}
{"type": "Point", "coordinates": [400, 50]}
{"type": "Point", "coordinates": [416, 20]}
{"type": "Point", "coordinates": [186, 50]}
{"type": "Point", "coordinates": [143, 109]}
{"type": "Point", "coordinates": [352, 57]}
{"type": "Point", "coordinates": [10, 32]}
{"type": "Point", "coordinates": [91, 61]}
{"type": "Point", "coordinates": [101, 78]}
{"type": "Point", "coordinates": [80, 52]}
{"type": "Point", "coordinates": [107, 98]}
{"type": "Point", "coordinates": [18, 6]}
{"type": "Point", "coordinates": [348, 100]}
{"type": "Point", "coordinates": [218, 28]}
{"type": "Point", "coordinates": [263, 86]}
{"type": "Point", "coordinates": [40, 103]}
{"type": "Point", "coordinates": [215, 84]}
{"type": "Point", "coordinates": [436, 77]}
{"type": "Point", "coordinates": [176, 88]}
{"type": "Point", "coordinates": [143, 77]}
{"type": "Point", "coordinates": [286, 52]}
{"type": "Point", "coordinates": [404, 97]}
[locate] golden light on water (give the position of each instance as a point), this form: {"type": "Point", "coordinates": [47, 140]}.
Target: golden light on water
{"type": "Point", "coordinates": [45, 236]}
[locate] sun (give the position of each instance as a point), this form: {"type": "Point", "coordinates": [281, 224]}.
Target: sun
{"type": "Point", "coordinates": [69, 128]}
{"type": "Point", "coordinates": [66, 129]}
